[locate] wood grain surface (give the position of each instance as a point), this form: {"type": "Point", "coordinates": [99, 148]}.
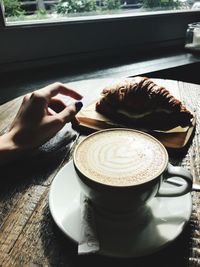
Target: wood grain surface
{"type": "Point", "coordinates": [28, 235]}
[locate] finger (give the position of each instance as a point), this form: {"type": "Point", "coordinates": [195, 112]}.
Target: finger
{"type": "Point", "coordinates": [75, 122]}
{"type": "Point", "coordinates": [50, 111]}
{"type": "Point", "coordinates": [26, 98]}
{"type": "Point", "coordinates": [59, 88]}
{"type": "Point", "coordinates": [68, 114]}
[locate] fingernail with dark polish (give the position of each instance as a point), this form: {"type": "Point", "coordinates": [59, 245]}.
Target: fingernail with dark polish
{"type": "Point", "coordinates": [78, 105]}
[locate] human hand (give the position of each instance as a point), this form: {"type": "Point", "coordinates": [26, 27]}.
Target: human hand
{"type": "Point", "coordinates": [41, 116]}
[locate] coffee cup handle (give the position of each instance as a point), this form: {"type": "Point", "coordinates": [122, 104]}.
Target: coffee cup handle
{"type": "Point", "coordinates": [172, 176]}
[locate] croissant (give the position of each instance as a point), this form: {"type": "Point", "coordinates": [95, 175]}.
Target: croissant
{"type": "Point", "coordinates": [139, 102]}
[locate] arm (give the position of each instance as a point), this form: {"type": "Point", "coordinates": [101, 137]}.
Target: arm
{"type": "Point", "coordinates": [39, 118]}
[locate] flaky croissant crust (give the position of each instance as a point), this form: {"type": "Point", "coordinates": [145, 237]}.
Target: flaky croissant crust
{"type": "Point", "coordinates": [141, 94]}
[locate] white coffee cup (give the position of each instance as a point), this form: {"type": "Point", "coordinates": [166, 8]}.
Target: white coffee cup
{"type": "Point", "coordinates": [121, 169]}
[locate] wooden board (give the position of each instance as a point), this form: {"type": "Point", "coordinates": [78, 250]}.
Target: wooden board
{"type": "Point", "coordinates": [176, 139]}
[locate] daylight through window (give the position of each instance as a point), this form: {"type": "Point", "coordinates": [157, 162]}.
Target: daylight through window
{"type": "Point", "coordinates": [30, 10]}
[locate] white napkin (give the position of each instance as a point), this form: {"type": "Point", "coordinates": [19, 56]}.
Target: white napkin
{"type": "Point", "coordinates": [88, 241]}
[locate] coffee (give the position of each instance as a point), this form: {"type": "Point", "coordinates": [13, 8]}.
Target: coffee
{"type": "Point", "coordinates": [120, 157]}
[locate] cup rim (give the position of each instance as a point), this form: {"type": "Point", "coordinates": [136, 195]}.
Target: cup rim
{"type": "Point", "coordinates": [121, 186]}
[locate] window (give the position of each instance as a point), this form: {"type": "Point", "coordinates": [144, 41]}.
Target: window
{"type": "Point", "coordinates": [129, 27]}
{"type": "Point", "coordinates": [32, 11]}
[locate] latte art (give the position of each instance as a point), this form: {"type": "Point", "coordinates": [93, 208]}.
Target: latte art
{"type": "Point", "coordinates": [120, 157]}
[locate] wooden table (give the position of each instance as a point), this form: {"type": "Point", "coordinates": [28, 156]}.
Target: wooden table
{"type": "Point", "coordinates": [28, 234]}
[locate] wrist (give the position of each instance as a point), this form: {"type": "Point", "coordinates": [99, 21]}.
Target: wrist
{"type": "Point", "coordinates": [9, 150]}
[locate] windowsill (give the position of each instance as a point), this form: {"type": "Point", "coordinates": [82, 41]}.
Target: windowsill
{"type": "Point", "coordinates": [94, 18]}
{"type": "Point", "coordinates": [146, 64]}
{"type": "Point", "coordinates": [177, 64]}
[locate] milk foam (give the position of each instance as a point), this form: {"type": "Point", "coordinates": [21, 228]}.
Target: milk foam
{"type": "Point", "coordinates": [120, 157]}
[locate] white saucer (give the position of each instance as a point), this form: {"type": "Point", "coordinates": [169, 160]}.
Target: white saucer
{"type": "Point", "coordinates": [163, 221]}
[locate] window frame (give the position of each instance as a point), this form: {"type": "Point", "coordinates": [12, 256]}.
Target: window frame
{"type": "Point", "coordinates": [44, 43]}
{"type": "Point", "coordinates": [2, 20]}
